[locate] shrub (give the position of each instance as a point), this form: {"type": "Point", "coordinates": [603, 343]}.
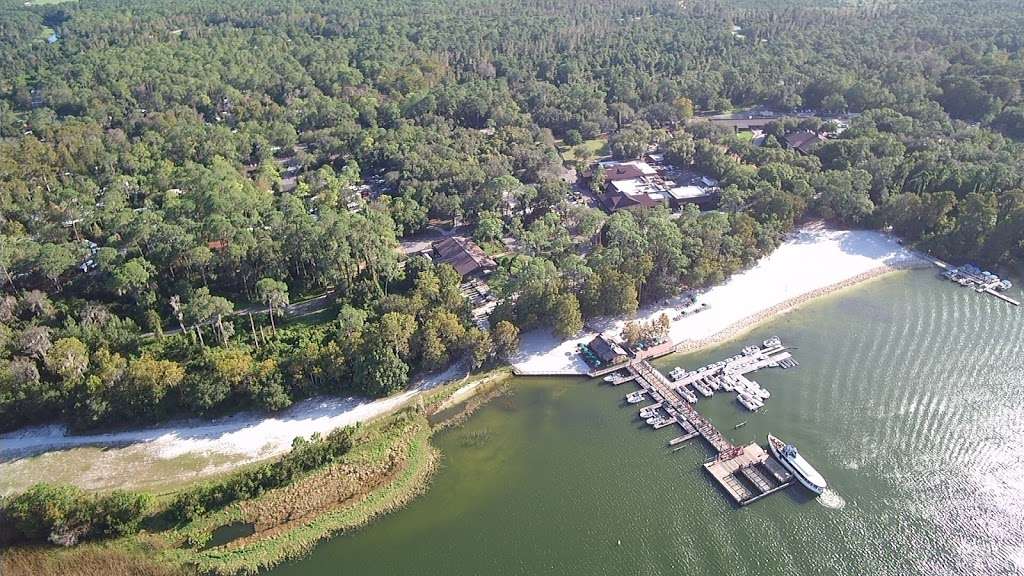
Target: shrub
{"type": "Point", "coordinates": [305, 456]}
{"type": "Point", "coordinates": [64, 514]}
{"type": "Point", "coordinates": [46, 510]}
{"type": "Point", "coordinates": [120, 512]}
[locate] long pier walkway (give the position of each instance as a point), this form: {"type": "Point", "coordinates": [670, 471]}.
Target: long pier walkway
{"type": "Point", "coordinates": [654, 381]}
{"type": "Point", "coordinates": [746, 473]}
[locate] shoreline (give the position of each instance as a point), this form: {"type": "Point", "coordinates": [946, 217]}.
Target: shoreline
{"type": "Point", "coordinates": [133, 458]}
{"type": "Point", "coordinates": [813, 261]}
{"type": "Point", "coordinates": [417, 462]}
{"type": "Point", "coordinates": [392, 462]}
{"type": "Point", "coordinates": [750, 322]}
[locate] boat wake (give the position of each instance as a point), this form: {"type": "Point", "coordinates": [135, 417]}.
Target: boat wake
{"type": "Point", "coordinates": [831, 499]}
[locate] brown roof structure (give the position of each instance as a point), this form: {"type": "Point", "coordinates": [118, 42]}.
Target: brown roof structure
{"type": "Point", "coordinates": [636, 192]}
{"type": "Point", "coordinates": [622, 172]}
{"type": "Point", "coordinates": [609, 352]}
{"type": "Point", "coordinates": [463, 254]}
{"type": "Point", "coordinates": [803, 142]}
{"type": "Point", "coordinates": [616, 200]}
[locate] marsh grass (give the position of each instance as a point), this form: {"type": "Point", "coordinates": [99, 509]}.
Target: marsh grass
{"type": "Point", "coordinates": [88, 561]}
{"type": "Point", "coordinates": [389, 466]}
{"type": "Point", "coordinates": [390, 463]}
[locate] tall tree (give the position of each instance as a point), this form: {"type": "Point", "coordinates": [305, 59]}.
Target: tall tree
{"type": "Point", "coordinates": [274, 294]}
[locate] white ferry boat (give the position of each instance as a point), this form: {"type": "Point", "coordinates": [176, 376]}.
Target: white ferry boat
{"type": "Point", "coordinates": [795, 463]}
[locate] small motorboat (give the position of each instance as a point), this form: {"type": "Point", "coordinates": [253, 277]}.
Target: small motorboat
{"type": "Point", "coordinates": [749, 402]}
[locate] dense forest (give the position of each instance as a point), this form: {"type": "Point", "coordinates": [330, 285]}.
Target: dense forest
{"type": "Point", "coordinates": [174, 173]}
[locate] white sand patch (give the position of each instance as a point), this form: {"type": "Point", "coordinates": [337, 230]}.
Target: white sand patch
{"type": "Point", "coordinates": [811, 260]}
{"type": "Point", "coordinates": [252, 436]}
{"type": "Point", "coordinates": [466, 391]}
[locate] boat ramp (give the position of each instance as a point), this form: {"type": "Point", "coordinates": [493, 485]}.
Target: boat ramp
{"type": "Point", "coordinates": [746, 473]}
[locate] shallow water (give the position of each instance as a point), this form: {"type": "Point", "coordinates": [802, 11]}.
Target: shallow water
{"type": "Point", "coordinates": [907, 399]}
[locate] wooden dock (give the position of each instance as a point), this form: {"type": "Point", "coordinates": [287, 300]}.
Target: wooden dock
{"type": "Point", "coordinates": [969, 279]}
{"type": "Point", "coordinates": [680, 439]}
{"type": "Point", "coordinates": [746, 473]}
{"type": "Point", "coordinates": [1001, 296]}
{"type": "Point", "coordinates": [735, 370]}
{"type": "Point", "coordinates": [677, 408]}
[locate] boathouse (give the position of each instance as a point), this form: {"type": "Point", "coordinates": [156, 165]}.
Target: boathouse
{"type": "Point", "coordinates": [607, 351]}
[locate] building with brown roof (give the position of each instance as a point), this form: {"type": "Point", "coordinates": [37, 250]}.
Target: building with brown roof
{"type": "Point", "coordinates": [803, 142]}
{"type": "Point", "coordinates": [607, 351]}
{"type": "Point", "coordinates": [636, 192]}
{"type": "Point", "coordinates": [464, 255]}
{"type": "Point", "coordinates": [614, 172]}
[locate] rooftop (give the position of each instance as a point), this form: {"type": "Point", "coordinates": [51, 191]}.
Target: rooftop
{"type": "Point", "coordinates": [627, 170]}
{"type": "Point", "coordinates": [463, 254]}
{"type": "Point", "coordinates": [684, 192]}
{"type": "Point", "coordinates": [803, 141]}
{"type": "Point", "coordinates": [605, 349]}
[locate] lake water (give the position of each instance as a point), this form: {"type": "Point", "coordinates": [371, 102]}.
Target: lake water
{"type": "Point", "coordinates": [909, 399]}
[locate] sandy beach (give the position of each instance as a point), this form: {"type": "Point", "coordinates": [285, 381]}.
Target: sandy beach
{"type": "Point", "coordinates": [209, 447]}
{"type": "Point", "coordinates": [813, 261]}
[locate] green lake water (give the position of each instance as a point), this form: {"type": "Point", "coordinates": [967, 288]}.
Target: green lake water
{"type": "Point", "coordinates": [909, 399]}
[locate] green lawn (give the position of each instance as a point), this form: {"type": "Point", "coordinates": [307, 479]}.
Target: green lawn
{"type": "Point", "coordinates": [597, 146]}
{"type": "Point", "coordinates": [44, 33]}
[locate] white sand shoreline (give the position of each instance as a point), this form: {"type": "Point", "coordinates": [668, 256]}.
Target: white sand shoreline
{"type": "Point", "coordinates": [814, 261]}
{"type": "Point", "coordinates": [252, 436]}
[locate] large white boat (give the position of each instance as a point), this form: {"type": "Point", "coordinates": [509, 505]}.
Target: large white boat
{"type": "Point", "coordinates": [795, 463]}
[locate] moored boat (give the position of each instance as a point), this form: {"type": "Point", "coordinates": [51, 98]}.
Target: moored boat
{"type": "Point", "coordinates": [749, 402]}
{"type": "Point", "coordinates": [636, 397]}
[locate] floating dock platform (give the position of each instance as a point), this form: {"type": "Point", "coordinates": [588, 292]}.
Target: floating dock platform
{"type": "Point", "coordinates": [748, 473]}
